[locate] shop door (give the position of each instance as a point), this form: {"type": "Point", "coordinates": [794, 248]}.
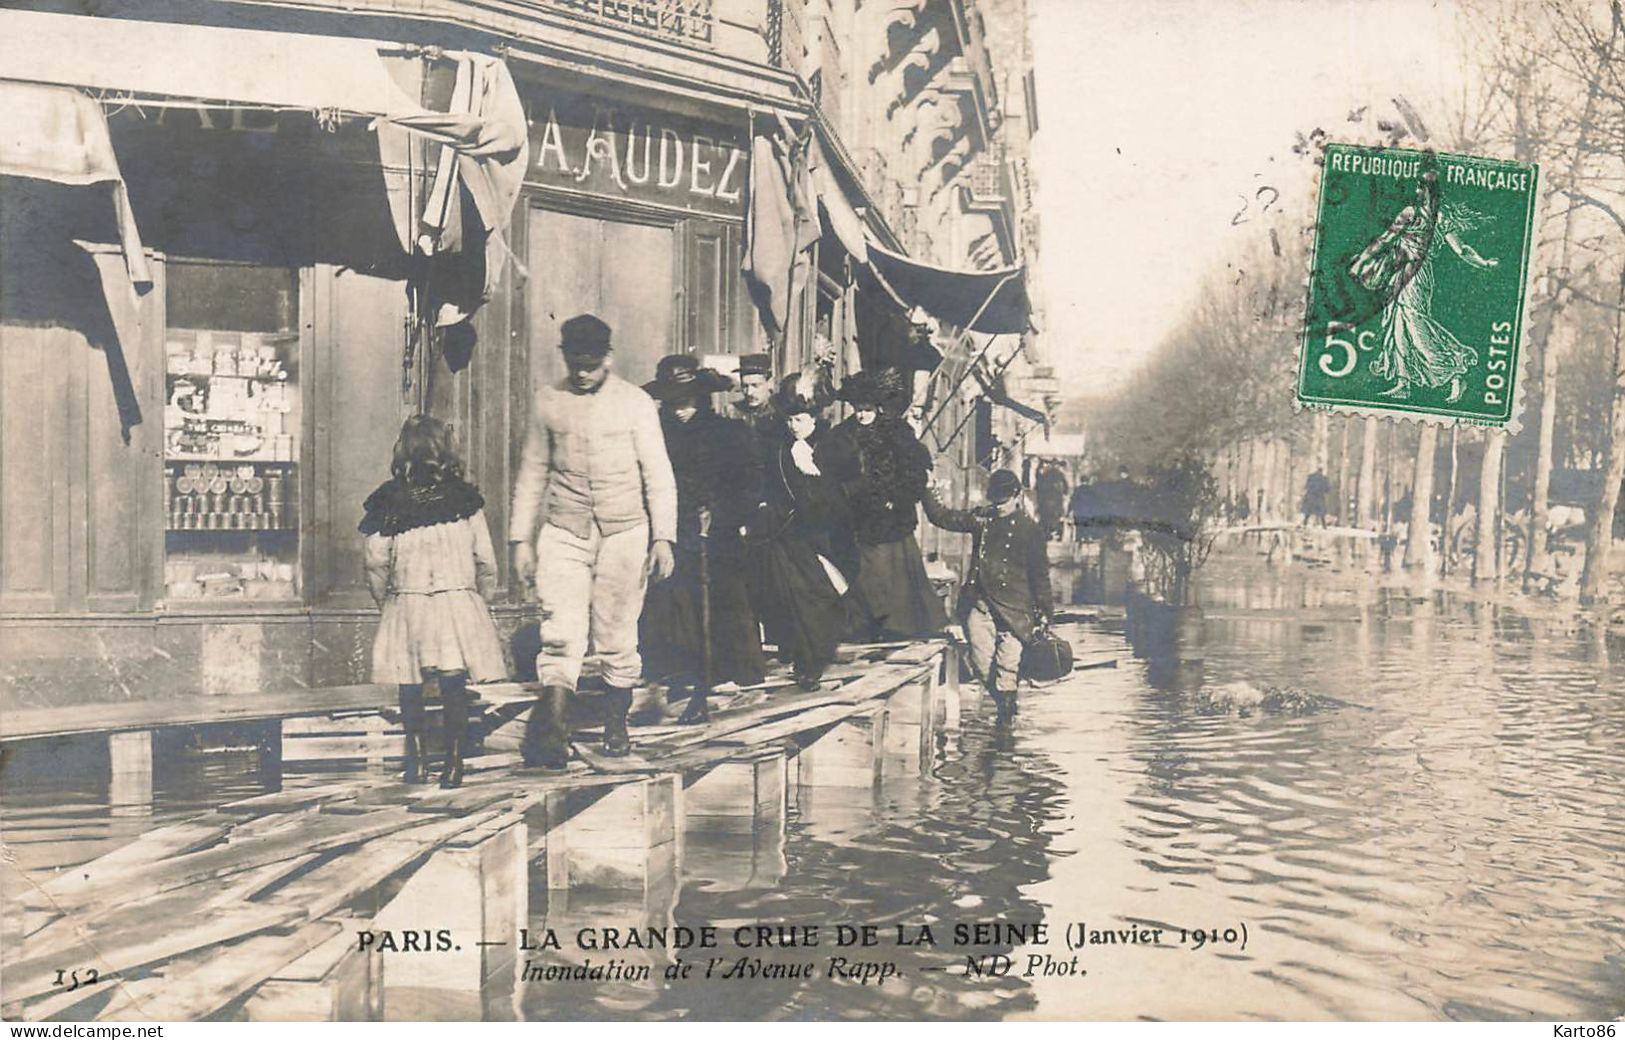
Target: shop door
{"type": "Point", "coordinates": [624, 273]}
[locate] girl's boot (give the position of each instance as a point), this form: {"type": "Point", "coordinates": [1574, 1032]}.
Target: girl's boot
{"type": "Point", "coordinates": [412, 723]}
{"type": "Point", "coordinates": [454, 697]}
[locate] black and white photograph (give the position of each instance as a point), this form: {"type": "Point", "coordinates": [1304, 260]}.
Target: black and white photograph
{"type": "Point", "coordinates": [812, 510]}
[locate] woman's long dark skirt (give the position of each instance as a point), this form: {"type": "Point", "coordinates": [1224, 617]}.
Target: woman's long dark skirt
{"type": "Point", "coordinates": [670, 630]}
{"type": "Point", "coordinates": [800, 609]}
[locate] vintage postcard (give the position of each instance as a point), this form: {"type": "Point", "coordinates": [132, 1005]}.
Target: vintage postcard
{"type": "Point", "coordinates": [811, 510]}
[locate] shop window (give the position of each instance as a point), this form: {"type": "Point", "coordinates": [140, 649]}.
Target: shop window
{"type": "Point", "coordinates": [231, 433]}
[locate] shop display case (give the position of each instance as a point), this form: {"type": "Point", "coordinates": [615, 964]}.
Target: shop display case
{"type": "Point", "coordinates": [231, 433]}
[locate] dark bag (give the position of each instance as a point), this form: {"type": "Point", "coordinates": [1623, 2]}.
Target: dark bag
{"type": "Point", "coordinates": [1046, 657]}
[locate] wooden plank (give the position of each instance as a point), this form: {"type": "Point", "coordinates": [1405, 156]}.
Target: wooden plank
{"type": "Point", "coordinates": [161, 843]}
{"type": "Point", "coordinates": [877, 681]}
{"type": "Point", "coordinates": [323, 832]}
{"type": "Point", "coordinates": [191, 995]}
{"type": "Point", "coordinates": [142, 944]}
{"type": "Point", "coordinates": [794, 725]}
{"type": "Point", "coordinates": [295, 798]}
{"type": "Point", "coordinates": [361, 746]}
{"type": "Point", "coordinates": [344, 877]}
{"type": "Point", "coordinates": [74, 928]}
{"type": "Point", "coordinates": [917, 653]}
{"type": "Point", "coordinates": [632, 763]}
{"type": "Point", "coordinates": [33, 723]}
{"type": "Point", "coordinates": [315, 965]}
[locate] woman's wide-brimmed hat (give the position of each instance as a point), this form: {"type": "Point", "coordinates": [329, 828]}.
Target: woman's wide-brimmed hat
{"type": "Point", "coordinates": [862, 389]}
{"type": "Point", "coordinates": [803, 393]}
{"type": "Point", "coordinates": [679, 377]}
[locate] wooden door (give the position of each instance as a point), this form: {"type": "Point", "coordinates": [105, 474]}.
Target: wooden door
{"type": "Point", "coordinates": [624, 273]}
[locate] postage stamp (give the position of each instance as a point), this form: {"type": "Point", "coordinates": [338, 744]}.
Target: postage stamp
{"type": "Point", "coordinates": [1417, 286]}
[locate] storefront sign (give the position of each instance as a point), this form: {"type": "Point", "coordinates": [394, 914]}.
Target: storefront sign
{"type": "Point", "coordinates": [636, 154]}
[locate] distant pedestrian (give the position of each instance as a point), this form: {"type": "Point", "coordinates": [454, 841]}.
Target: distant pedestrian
{"type": "Point", "coordinates": [1051, 488]}
{"type": "Point", "coordinates": [1316, 489]}
{"type": "Point", "coordinates": [431, 568]}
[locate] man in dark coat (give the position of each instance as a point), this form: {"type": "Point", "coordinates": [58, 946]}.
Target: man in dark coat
{"type": "Point", "coordinates": [1006, 595]}
{"type": "Point", "coordinates": [718, 473]}
{"type": "Point", "coordinates": [755, 404]}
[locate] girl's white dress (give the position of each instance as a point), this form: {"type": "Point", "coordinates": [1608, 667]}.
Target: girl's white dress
{"type": "Point", "coordinates": [434, 584]}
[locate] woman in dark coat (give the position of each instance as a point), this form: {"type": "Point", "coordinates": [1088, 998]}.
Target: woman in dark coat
{"type": "Point", "coordinates": [806, 555]}
{"type": "Point", "coordinates": [890, 481]}
{"type": "Point", "coordinates": [718, 487]}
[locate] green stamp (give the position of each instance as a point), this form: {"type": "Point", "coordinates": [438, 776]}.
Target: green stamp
{"type": "Point", "coordinates": [1416, 291]}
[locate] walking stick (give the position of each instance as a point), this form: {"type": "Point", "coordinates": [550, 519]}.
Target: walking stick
{"type": "Point", "coordinates": [699, 709]}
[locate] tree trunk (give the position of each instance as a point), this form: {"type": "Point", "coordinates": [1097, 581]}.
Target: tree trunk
{"type": "Point", "coordinates": [1419, 539]}
{"type": "Point", "coordinates": [1539, 509]}
{"type": "Point", "coordinates": [1343, 471]}
{"type": "Point", "coordinates": [1600, 534]}
{"type": "Point", "coordinates": [1539, 561]}
{"type": "Point", "coordinates": [1365, 506]}
{"type": "Point", "coordinates": [1487, 554]}
{"type": "Point", "coordinates": [1600, 537]}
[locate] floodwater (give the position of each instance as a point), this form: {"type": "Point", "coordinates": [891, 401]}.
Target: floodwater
{"type": "Point", "coordinates": [1445, 839]}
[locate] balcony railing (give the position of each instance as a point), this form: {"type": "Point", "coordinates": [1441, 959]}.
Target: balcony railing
{"type": "Point", "coordinates": [687, 21]}
{"type": "Point", "coordinates": [987, 178]}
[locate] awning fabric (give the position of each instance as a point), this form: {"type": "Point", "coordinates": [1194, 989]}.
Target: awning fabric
{"type": "Point", "coordinates": [58, 134]}
{"type": "Point", "coordinates": [781, 225]}
{"type": "Point", "coordinates": [168, 62]}
{"type": "Point", "coordinates": [987, 301]}
{"type": "Point", "coordinates": [247, 66]}
{"type": "Point", "coordinates": [838, 209]}
{"type": "Point", "coordinates": [489, 135]}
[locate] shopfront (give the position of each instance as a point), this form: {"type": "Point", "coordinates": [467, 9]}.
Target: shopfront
{"type": "Point", "coordinates": [182, 468]}
{"type": "Point", "coordinates": [633, 212]}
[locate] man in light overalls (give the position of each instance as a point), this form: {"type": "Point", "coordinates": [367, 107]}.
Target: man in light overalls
{"type": "Point", "coordinates": [594, 501]}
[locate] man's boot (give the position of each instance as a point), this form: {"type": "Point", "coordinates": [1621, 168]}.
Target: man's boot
{"type": "Point", "coordinates": [1005, 701]}
{"type": "Point", "coordinates": [547, 738]}
{"type": "Point", "coordinates": [617, 702]}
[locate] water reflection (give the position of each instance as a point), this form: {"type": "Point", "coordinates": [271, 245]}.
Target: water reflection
{"type": "Point", "coordinates": [1442, 842]}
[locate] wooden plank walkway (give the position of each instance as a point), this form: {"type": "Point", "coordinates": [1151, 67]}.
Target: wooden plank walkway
{"type": "Point", "coordinates": [194, 915]}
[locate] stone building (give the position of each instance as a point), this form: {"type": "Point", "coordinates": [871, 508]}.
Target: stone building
{"type": "Point", "coordinates": [227, 275]}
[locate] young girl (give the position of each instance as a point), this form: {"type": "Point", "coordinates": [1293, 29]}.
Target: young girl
{"type": "Point", "coordinates": [431, 569]}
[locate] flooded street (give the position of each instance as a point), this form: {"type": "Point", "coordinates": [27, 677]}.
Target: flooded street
{"type": "Point", "coordinates": [1445, 839]}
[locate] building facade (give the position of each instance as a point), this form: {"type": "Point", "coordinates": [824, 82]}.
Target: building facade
{"type": "Point", "coordinates": [188, 425]}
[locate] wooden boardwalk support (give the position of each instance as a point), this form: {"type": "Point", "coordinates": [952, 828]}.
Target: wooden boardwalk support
{"type": "Point", "coordinates": [335, 982]}
{"type": "Point", "coordinates": [476, 886]}
{"type": "Point", "coordinates": [850, 753]}
{"type": "Point", "coordinates": [950, 689]}
{"type": "Point", "coordinates": [261, 900]}
{"type": "Point", "coordinates": [733, 822]}
{"type": "Point", "coordinates": [129, 757]}
{"type": "Point", "coordinates": [624, 839]}
{"type": "Point", "coordinates": [910, 722]}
